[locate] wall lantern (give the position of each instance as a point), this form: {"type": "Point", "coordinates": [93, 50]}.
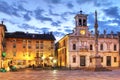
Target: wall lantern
{"type": "Point", "coordinates": [3, 54]}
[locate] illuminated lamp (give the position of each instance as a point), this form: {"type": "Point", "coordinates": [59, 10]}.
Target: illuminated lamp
{"type": "Point", "coordinates": [3, 54]}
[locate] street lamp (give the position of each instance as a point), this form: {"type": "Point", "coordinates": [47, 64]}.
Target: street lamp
{"type": "Point", "coordinates": [54, 62]}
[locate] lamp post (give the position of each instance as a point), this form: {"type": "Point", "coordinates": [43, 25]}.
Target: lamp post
{"type": "Point", "coordinates": [54, 63]}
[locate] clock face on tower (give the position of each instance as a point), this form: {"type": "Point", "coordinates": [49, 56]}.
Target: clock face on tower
{"type": "Point", "coordinates": [82, 32]}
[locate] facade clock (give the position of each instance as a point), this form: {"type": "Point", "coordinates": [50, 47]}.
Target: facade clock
{"type": "Point", "coordinates": [82, 32]}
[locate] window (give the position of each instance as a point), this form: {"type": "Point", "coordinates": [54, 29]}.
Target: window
{"type": "Point", "coordinates": [37, 41]}
{"type": "Point", "coordinates": [14, 53]}
{"type": "Point", "coordinates": [29, 41]}
{"type": "Point", "coordinates": [115, 47]}
{"type": "Point", "coordinates": [101, 46]}
{"type": "Point", "coordinates": [74, 46]}
{"type": "Point", "coordinates": [41, 54]}
{"type": "Point", "coordinates": [37, 46]}
{"type": "Point", "coordinates": [14, 45]}
{"type": "Point", "coordinates": [52, 44]}
{"type": "Point", "coordinates": [74, 59]}
{"type": "Point", "coordinates": [14, 41]}
{"type": "Point", "coordinates": [29, 54]}
{"type": "Point", "coordinates": [29, 46]}
{"type": "Point", "coordinates": [115, 59]}
{"type": "Point", "coordinates": [80, 22]}
{"type": "Point", "coordinates": [101, 59]}
{"type": "Point", "coordinates": [23, 53]}
{"type": "Point", "coordinates": [41, 46]}
{"type": "Point", "coordinates": [24, 46]}
{"type": "Point", "coordinates": [90, 60]}
{"type": "Point", "coordinates": [91, 47]}
{"type": "Point", "coordinates": [84, 22]}
{"type": "Point", "coordinates": [41, 41]}
{"type": "Point", "coordinates": [24, 43]}
{"type": "Point", "coordinates": [37, 54]}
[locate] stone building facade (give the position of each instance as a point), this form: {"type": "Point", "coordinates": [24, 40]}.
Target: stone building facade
{"type": "Point", "coordinates": [77, 49]}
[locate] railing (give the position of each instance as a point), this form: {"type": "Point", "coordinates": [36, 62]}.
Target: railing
{"type": "Point", "coordinates": [83, 48]}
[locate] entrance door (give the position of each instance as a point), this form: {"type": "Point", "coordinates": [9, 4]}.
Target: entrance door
{"type": "Point", "coordinates": [82, 61]}
{"type": "Point", "coordinates": [108, 61]}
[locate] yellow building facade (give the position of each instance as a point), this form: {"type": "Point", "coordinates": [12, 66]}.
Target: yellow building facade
{"type": "Point", "coordinates": [2, 41]}
{"type": "Point", "coordinates": [27, 48]}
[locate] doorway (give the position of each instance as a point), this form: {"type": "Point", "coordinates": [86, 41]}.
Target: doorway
{"type": "Point", "coordinates": [108, 61]}
{"type": "Point", "coordinates": [82, 61]}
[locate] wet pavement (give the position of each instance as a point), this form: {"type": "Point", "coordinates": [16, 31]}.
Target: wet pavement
{"type": "Point", "coordinates": [60, 75]}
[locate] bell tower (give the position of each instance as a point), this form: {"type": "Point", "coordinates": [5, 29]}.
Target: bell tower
{"type": "Point", "coordinates": [81, 27]}
{"type": "Point", "coordinates": [81, 20]}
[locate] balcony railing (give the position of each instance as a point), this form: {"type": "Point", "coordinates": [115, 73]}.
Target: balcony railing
{"type": "Point", "coordinates": [83, 48]}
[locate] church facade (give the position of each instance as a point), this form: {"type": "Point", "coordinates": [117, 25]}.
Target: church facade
{"type": "Point", "coordinates": [78, 49]}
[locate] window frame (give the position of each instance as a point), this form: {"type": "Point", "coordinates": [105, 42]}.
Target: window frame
{"type": "Point", "coordinates": [74, 47]}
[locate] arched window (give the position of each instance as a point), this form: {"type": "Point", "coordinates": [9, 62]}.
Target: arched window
{"type": "Point", "coordinates": [74, 46]}
{"type": "Point", "coordinates": [84, 22]}
{"type": "Point", "coordinates": [101, 46]}
{"type": "Point", "coordinates": [91, 47]}
{"type": "Point", "coordinates": [80, 22]}
{"type": "Point", "coordinates": [115, 47]}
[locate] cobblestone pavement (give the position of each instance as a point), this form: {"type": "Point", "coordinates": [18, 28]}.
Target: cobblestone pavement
{"type": "Point", "coordinates": [60, 75]}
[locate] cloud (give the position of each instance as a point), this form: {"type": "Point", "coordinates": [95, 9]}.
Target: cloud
{"type": "Point", "coordinates": [58, 34]}
{"type": "Point", "coordinates": [27, 16]}
{"type": "Point", "coordinates": [68, 30]}
{"type": "Point", "coordinates": [15, 9]}
{"type": "Point", "coordinates": [97, 3]}
{"type": "Point", "coordinates": [45, 29]}
{"type": "Point", "coordinates": [83, 1]}
{"type": "Point", "coordinates": [100, 3]}
{"type": "Point", "coordinates": [39, 15]}
{"type": "Point", "coordinates": [70, 5]}
{"type": "Point", "coordinates": [53, 14]}
{"type": "Point", "coordinates": [112, 12]}
{"type": "Point", "coordinates": [53, 1]}
{"type": "Point", "coordinates": [57, 23]}
{"type": "Point", "coordinates": [26, 26]}
{"type": "Point", "coordinates": [7, 9]}
{"type": "Point", "coordinates": [38, 30]}
{"type": "Point", "coordinates": [102, 25]}
{"type": "Point", "coordinates": [66, 14]}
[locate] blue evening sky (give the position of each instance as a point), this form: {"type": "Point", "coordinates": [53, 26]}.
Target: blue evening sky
{"type": "Point", "coordinates": [39, 16]}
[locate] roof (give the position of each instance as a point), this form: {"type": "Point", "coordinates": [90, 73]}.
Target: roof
{"type": "Point", "coordinates": [108, 35]}
{"type": "Point", "coordinates": [48, 36]}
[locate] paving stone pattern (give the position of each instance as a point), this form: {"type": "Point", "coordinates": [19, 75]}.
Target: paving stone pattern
{"type": "Point", "coordinates": [60, 75]}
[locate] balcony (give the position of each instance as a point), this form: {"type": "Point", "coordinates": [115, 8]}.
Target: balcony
{"type": "Point", "coordinates": [83, 48]}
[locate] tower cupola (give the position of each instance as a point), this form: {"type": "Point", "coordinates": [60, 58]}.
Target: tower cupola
{"type": "Point", "coordinates": [81, 20]}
